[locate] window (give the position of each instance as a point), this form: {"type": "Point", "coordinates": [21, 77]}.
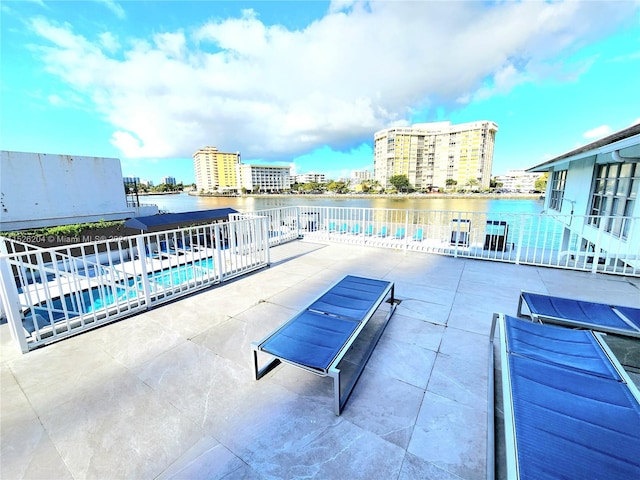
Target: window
{"type": "Point", "coordinates": [558, 180]}
{"type": "Point", "coordinates": [615, 189]}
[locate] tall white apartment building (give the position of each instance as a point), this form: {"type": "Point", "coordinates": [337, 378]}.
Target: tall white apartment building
{"type": "Point", "coordinates": [264, 178]}
{"type": "Point", "coordinates": [311, 178]}
{"type": "Point", "coordinates": [215, 170]}
{"type": "Point", "coordinates": [359, 176]}
{"type": "Point", "coordinates": [518, 180]}
{"type": "Point", "coordinates": [429, 154]}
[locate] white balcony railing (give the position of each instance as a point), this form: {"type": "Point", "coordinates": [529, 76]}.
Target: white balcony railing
{"type": "Point", "coordinates": [596, 244]}
{"type": "Point", "coordinates": [50, 294]}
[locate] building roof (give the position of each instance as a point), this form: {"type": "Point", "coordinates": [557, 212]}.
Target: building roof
{"type": "Point", "coordinates": [588, 149]}
{"type": "Point", "coordinates": [166, 221]}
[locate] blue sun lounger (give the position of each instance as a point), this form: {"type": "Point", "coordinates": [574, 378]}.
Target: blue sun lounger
{"type": "Point", "coordinates": [318, 338]}
{"type": "Point", "coordinates": [570, 409]}
{"type": "Point", "coordinates": [580, 313]}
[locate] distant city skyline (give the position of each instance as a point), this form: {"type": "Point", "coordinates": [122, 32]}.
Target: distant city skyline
{"type": "Point", "coordinates": [307, 84]}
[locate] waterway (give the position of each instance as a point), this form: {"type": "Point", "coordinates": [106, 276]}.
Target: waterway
{"type": "Point", "coordinates": [471, 203]}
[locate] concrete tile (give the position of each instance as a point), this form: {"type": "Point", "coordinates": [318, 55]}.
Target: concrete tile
{"type": "Point", "coordinates": [461, 380]}
{"type": "Point", "coordinates": [406, 362]}
{"type": "Point", "coordinates": [424, 311]}
{"type": "Point", "coordinates": [119, 429]}
{"type": "Point", "coordinates": [207, 458]}
{"type": "Point", "coordinates": [385, 406]}
{"type": "Point", "coordinates": [415, 467]}
{"type": "Point", "coordinates": [414, 331]}
{"type": "Point", "coordinates": [451, 436]}
{"type": "Point", "coordinates": [26, 451]}
{"type": "Point", "coordinates": [196, 381]}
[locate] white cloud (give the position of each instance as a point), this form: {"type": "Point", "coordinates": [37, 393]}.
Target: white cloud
{"type": "Point", "coordinates": [273, 93]}
{"type": "Point", "coordinates": [598, 132]}
{"type": "Point", "coordinates": [115, 8]}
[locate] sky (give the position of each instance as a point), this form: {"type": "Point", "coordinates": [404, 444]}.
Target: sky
{"type": "Point", "coordinates": [308, 83]}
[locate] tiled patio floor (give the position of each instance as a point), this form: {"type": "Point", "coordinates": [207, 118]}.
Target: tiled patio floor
{"type": "Point", "coordinates": [170, 393]}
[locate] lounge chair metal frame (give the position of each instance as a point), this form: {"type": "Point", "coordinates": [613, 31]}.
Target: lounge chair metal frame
{"type": "Point", "coordinates": [631, 331]}
{"type": "Point", "coordinates": [332, 369]}
{"type": "Point", "coordinates": [511, 446]}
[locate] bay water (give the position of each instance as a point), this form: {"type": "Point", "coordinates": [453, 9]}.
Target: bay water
{"type": "Point", "coordinates": [184, 202]}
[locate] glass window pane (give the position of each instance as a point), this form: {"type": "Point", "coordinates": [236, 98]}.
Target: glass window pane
{"type": "Point", "coordinates": [623, 187]}
{"type": "Point", "coordinates": [625, 170]}
{"type": "Point", "coordinates": [610, 186]}
{"type": "Point", "coordinates": [614, 168]}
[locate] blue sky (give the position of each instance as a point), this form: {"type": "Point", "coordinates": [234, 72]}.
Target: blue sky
{"type": "Point", "coordinates": [308, 83]}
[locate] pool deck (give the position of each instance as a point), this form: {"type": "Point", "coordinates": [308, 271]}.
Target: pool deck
{"type": "Point", "coordinates": [170, 393]}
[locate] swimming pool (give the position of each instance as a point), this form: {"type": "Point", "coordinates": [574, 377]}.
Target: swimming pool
{"type": "Point", "coordinates": [101, 297]}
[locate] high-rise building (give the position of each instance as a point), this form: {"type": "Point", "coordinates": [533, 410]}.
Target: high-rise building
{"type": "Point", "coordinates": [168, 180]}
{"type": "Point", "coordinates": [359, 176]}
{"type": "Point", "coordinates": [519, 180]}
{"type": "Point", "coordinates": [265, 178]}
{"type": "Point", "coordinates": [436, 154]}
{"type": "Point", "coordinates": [216, 170]}
{"type": "Point", "coordinates": [311, 178]}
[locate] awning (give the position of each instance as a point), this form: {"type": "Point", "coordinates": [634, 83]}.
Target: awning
{"type": "Point", "coordinates": [168, 221]}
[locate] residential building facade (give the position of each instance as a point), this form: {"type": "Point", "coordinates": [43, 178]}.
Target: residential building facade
{"type": "Point", "coordinates": [518, 181]}
{"type": "Point", "coordinates": [599, 182]}
{"type": "Point", "coordinates": [131, 180]}
{"type": "Point", "coordinates": [311, 178]}
{"type": "Point", "coordinates": [359, 176]}
{"type": "Point", "coordinates": [168, 180]}
{"type": "Point", "coordinates": [433, 155]}
{"type": "Point", "coordinates": [264, 178]}
{"type": "Point", "coordinates": [215, 170]}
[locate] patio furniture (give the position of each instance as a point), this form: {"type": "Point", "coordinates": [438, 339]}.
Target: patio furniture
{"type": "Point", "coordinates": [318, 338]}
{"type": "Point", "coordinates": [496, 235]}
{"type": "Point", "coordinates": [460, 230]}
{"type": "Point", "coordinates": [570, 409]}
{"type": "Point", "coordinates": [382, 232]}
{"type": "Point", "coordinates": [418, 236]}
{"type": "Point", "coordinates": [400, 233]}
{"type": "Point", "coordinates": [580, 313]}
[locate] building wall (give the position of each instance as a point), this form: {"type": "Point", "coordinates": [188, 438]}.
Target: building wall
{"type": "Point", "coordinates": [431, 153]}
{"type": "Point", "coordinates": [578, 193]}
{"type": "Point", "coordinates": [215, 170]}
{"type": "Point", "coordinates": [41, 190]}
{"type": "Point", "coordinates": [265, 178]}
{"type": "Point", "coordinates": [311, 177]}
{"type": "Point", "coordinates": [518, 180]}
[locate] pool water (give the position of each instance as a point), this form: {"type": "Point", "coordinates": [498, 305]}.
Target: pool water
{"type": "Point", "coordinates": [99, 298]}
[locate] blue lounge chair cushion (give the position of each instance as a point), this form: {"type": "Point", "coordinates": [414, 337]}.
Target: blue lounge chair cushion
{"type": "Point", "coordinates": [576, 310]}
{"type": "Point", "coordinates": [311, 339]}
{"type": "Point", "coordinates": [576, 349]}
{"type": "Point", "coordinates": [351, 298]}
{"type": "Point", "coordinates": [571, 424]}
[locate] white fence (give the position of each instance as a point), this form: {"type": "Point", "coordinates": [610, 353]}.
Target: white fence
{"type": "Point", "coordinates": [50, 294]}
{"type": "Point", "coordinates": [562, 241]}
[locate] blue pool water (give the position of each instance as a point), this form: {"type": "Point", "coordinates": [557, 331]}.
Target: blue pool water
{"type": "Point", "coordinates": [102, 297]}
